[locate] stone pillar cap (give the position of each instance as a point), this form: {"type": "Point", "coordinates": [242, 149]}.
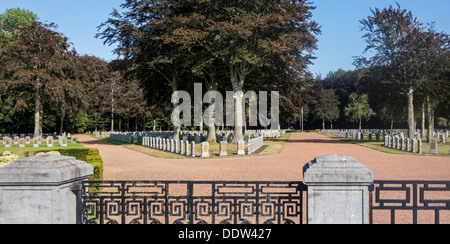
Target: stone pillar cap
{"type": "Point", "coordinates": [45, 169]}
{"type": "Point", "coordinates": [336, 168]}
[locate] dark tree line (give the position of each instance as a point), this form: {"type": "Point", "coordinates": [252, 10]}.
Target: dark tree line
{"type": "Point", "coordinates": [45, 86]}
{"type": "Point", "coordinates": [165, 46]}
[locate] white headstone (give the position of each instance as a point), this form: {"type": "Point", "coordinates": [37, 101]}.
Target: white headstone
{"type": "Point", "coordinates": [433, 147]}
{"type": "Point", "coordinates": [35, 142]}
{"type": "Point", "coordinates": [223, 148]}
{"type": "Point", "coordinates": [50, 141]}
{"type": "Point", "coordinates": [205, 150]}
{"type": "Point", "coordinates": [241, 148]}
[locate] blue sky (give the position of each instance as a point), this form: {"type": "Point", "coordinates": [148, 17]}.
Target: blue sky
{"type": "Point", "coordinates": [339, 43]}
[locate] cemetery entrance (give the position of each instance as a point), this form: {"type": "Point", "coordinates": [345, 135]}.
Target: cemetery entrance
{"type": "Point", "coordinates": [190, 202]}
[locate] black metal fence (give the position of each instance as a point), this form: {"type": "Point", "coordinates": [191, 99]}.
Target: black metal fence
{"type": "Point", "coordinates": [188, 202]}
{"type": "Point", "coordinates": [410, 202]}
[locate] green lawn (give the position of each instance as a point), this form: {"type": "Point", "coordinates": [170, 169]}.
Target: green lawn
{"type": "Point", "coordinates": [22, 152]}
{"type": "Point", "coordinates": [273, 147]}
{"type": "Point", "coordinates": [443, 149]}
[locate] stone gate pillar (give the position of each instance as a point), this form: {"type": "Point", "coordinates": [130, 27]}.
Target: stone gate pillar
{"type": "Point", "coordinates": [37, 190]}
{"type": "Point", "coordinates": [337, 190]}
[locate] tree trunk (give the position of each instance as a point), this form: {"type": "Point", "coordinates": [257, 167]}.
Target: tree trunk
{"type": "Point", "coordinates": [37, 112]}
{"type": "Point", "coordinates": [323, 124]}
{"type": "Point", "coordinates": [237, 84]}
{"type": "Point", "coordinates": [360, 124]}
{"type": "Point", "coordinates": [430, 120]}
{"type": "Point", "coordinates": [112, 120]}
{"type": "Point", "coordinates": [411, 121]}
{"type": "Point", "coordinates": [238, 116]}
{"type": "Point", "coordinates": [61, 127]}
{"type": "Point", "coordinates": [143, 123]}
{"type": "Point", "coordinates": [176, 129]}
{"type": "Point", "coordinates": [422, 132]}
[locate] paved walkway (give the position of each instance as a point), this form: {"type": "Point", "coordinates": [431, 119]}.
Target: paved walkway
{"type": "Point", "coordinates": [124, 164]}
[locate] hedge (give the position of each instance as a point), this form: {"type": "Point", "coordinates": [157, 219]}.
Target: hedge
{"type": "Point", "coordinates": [89, 155]}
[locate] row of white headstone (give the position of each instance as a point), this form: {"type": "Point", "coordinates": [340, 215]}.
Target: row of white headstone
{"type": "Point", "coordinates": [410, 145]}
{"type": "Point", "coordinates": [8, 142]}
{"type": "Point", "coordinates": [170, 145]}
{"type": "Point", "coordinates": [183, 147]}
{"type": "Point", "coordinates": [255, 144]}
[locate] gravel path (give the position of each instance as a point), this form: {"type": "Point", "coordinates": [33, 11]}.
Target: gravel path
{"type": "Point", "coordinates": [124, 164]}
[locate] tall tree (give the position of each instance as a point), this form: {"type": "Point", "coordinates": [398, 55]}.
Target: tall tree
{"type": "Point", "coordinates": [140, 33]}
{"type": "Point", "coordinates": [33, 67]}
{"type": "Point", "coordinates": [94, 73]}
{"type": "Point", "coordinates": [250, 35]}
{"type": "Point", "coordinates": [434, 69]}
{"type": "Point", "coordinates": [326, 107]}
{"type": "Point", "coordinates": [394, 34]}
{"type": "Point", "coordinates": [359, 109]}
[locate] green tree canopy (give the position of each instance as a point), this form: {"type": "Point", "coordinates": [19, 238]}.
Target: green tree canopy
{"type": "Point", "coordinates": [11, 21]}
{"type": "Point", "coordinates": [326, 108]}
{"type": "Point", "coordinates": [359, 108]}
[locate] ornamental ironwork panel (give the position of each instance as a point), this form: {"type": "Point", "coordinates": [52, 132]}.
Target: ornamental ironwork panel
{"type": "Point", "coordinates": [187, 202]}
{"type": "Point", "coordinates": [410, 202]}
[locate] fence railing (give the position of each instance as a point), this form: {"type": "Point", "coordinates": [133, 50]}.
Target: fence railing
{"type": "Point", "coordinates": [189, 202]}
{"type": "Point", "coordinates": [410, 202]}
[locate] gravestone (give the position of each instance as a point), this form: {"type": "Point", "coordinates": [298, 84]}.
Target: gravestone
{"type": "Point", "coordinates": [433, 147]}
{"type": "Point", "coordinates": [181, 147]}
{"type": "Point", "coordinates": [27, 140]}
{"type": "Point", "coordinates": [16, 140]}
{"type": "Point", "coordinates": [420, 143]}
{"type": "Point", "coordinates": [22, 142]}
{"type": "Point", "coordinates": [186, 152]}
{"type": "Point", "coordinates": [35, 142]}
{"type": "Point", "coordinates": [442, 138]}
{"type": "Point", "coordinates": [205, 150]}
{"type": "Point", "coordinates": [414, 145]}
{"type": "Point", "coordinates": [223, 148]}
{"type": "Point", "coordinates": [63, 141]}
{"type": "Point", "coordinates": [172, 148]}
{"type": "Point", "coordinates": [399, 144]}
{"type": "Point", "coordinates": [176, 148]}
{"type": "Point", "coordinates": [403, 143]}
{"type": "Point", "coordinates": [408, 144]}
{"type": "Point", "coordinates": [241, 148]}
{"type": "Point", "coordinates": [8, 142]}
{"type": "Point", "coordinates": [193, 149]}
{"type": "Point", "coordinates": [50, 141]}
